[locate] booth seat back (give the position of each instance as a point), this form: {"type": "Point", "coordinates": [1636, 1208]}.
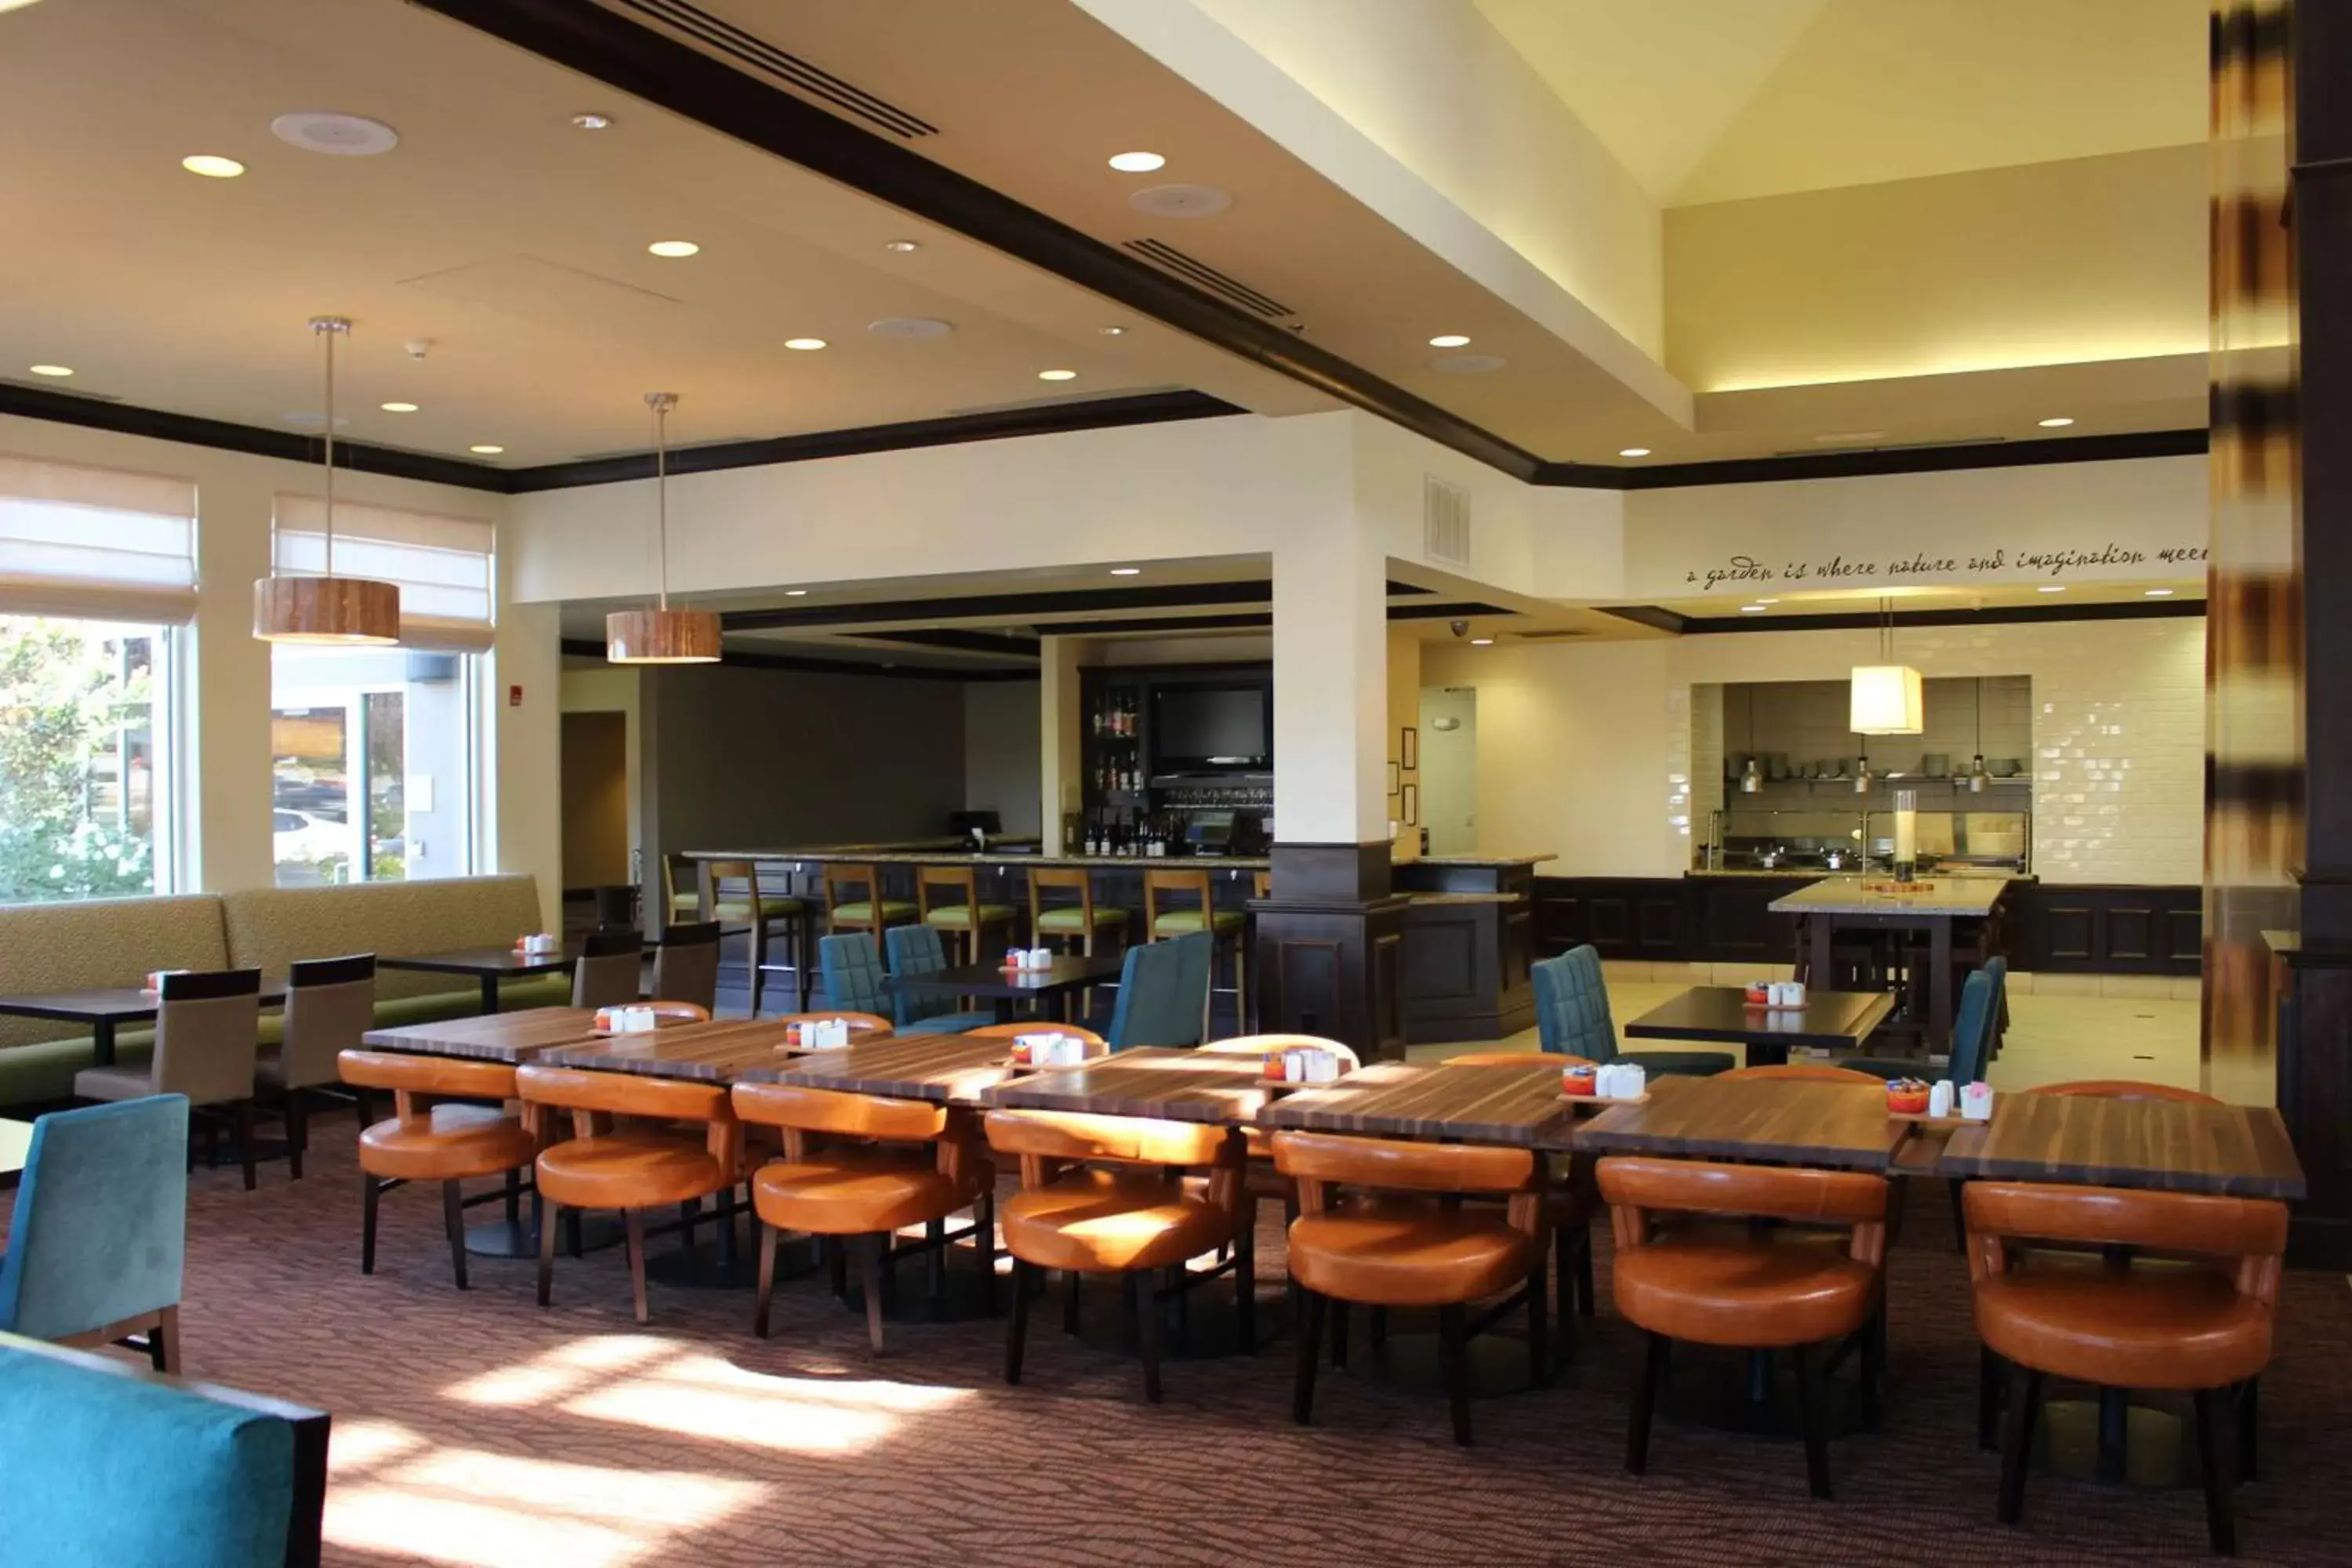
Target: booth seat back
{"type": "Point", "coordinates": [269, 928]}
{"type": "Point", "coordinates": [101, 943]}
{"type": "Point", "coordinates": [104, 1462]}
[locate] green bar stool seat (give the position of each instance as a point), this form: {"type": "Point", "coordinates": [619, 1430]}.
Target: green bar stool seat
{"type": "Point", "coordinates": [959, 908]}
{"type": "Point", "coordinates": [1187, 923]}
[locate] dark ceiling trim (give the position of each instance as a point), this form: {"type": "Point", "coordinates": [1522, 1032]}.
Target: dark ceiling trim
{"type": "Point", "coordinates": [1001, 607]}
{"type": "Point", "coordinates": [1991, 616]}
{"type": "Point", "coordinates": [1243, 621]}
{"type": "Point", "coordinates": [652, 66]}
{"type": "Point", "coordinates": [222, 435]}
{"type": "Point", "coordinates": [739, 659]}
{"type": "Point", "coordinates": [1882, 460]}
{"type": "Point", "coordinates": [950, 638]}
{"type": "Point", "coordinates": [1652, 616]}
{"type": "Point", "coordinates": [1038, 419]}
{"type": "Point", "coordinates": [1445, 611]}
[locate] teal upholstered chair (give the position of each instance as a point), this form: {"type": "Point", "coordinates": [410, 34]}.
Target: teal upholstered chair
{"type": "Point", "coordinates": [1972, 1033]}
{"type": "Point", "coordinates": [102, 1462]}
{"type": "Point", "coordinates": [1572, 1019]}
{"type": "Point", "coordinates": [1163, 993]}
{"type": "Point", "coordinates": [920, 949]}
{"type": "Point", "coordinates": [101, 1229]}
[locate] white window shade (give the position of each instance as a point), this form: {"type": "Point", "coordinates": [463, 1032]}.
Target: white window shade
{"type": "Point", "coordinates": [442, 564]}
{"type": "Point", "coordinates": [96, 543]}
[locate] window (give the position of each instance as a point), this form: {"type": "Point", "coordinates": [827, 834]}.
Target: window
{"type": "Point", "coordinates": [375, 751]}
{"type": "Point", "coordinates": [97, 575]}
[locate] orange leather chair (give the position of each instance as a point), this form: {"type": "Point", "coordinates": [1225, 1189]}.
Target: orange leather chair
{"type": "Point", "coordinates": [1096, 1045]}
{"type": "Point", "coordinates": [1105, 1194]}
{"type": "Point", "coordinates": [2125, 1088]}
{"type": "Point", "coordinates": [1569, 1199]}
{"type": "Point", "coordinates": [858, 1165]}
{"type": "Point", "coordinates": [865, 1029]}
{"type": "Point", "coordinates": [626, 1152]}
{"type": "Point", "coordinates": [1396, 1242]}
{"type": "Point", "coordinates": [429, 1141]}
{"type": "Point", "coordinates": [2205, 1329]}
{"type": "Point", "coordinates": [1513, 1059]}
{"type": "Point", "coordinates": [1758, 1289]}
{"type": "Point", "coordinates": [1805, 1072]}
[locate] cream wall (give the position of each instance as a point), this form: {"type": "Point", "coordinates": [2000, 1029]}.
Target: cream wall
{"type": "Point", "coordinates": [1588, 751]}
{"type": "Point", "coordinates": [609, 688]}
{"type": "Point", "coordinates": [1403, 713]}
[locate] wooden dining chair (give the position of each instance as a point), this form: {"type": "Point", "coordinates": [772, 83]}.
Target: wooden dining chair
{"type": "Point", "coordinates": [1376, 1228]}
{"type": "Point", "coordinates": [855, 901]}
{"type": "Point", "coordinates": [329, 1007]}
{"type": "Point", "coordinates": [947, 898]}
{"type": "Point", "coordinates": [1182, 902]}
{"type": "Point", "coordinates": [686, 965]}
{"type": "Point", "coordinates": [1762, 1290]}
{"type": "Point", "coordinates": [764, 911]}
{"type": "Point", "coordinates": [634, 1143]}
{"type": "Point", "coordinates": [448, 1125]}
{"type": "Point", "coordinates": [207, 1048]}
{"type": "Point", "coordinates": [682, 888]}
{"type": "Point", "coordinates": [1062, 909]}
{"type": "Point", "coordinates": [860, 1168]}
{"type": "Point", "coordinates": [610, 964]}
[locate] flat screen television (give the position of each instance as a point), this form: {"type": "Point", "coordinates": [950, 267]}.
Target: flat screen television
{"type": "Point", "coordinates": [1211, 729]}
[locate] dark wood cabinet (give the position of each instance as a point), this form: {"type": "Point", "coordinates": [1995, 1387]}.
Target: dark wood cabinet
{"type": "Point", "coordinates": [2108, 929]}
{"type": "Point", "coordinates": [1622, 917]}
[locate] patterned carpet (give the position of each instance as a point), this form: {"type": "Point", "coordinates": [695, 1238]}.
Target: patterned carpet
{"type": "Point", "coordinates": [476, 1429]}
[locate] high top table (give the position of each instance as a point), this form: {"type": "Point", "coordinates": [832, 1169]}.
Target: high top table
{"type": "Point", "coordinates": [1850, 903]}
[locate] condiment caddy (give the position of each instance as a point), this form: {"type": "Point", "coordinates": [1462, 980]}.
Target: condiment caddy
{"type": "Point", "coordinates": [1046, 1049]}
{"type": "Point", "coordinates": [1028, 959]}
{"type": "Point", "coordinates": [1303, 1064]}
{"type": "Point", "coordinates": [1611, 1083]}
{"type": "Point", "coordinates": [538, 943]}
{"type": "Point", "coordinates": [1943, 1103]}
{"type": "Point", "coordinates": [626, 1021]}
{"type": "Point", "coordinates": [818, 1034]}
{"type": "Point", "coordinates": [1775, 993]}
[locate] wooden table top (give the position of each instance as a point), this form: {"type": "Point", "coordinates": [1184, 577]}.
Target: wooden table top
{"type": "Point", "coordinates": [719, 1051]}
{"type": "Point", "coordinates": [509, 1038]}
{"type": "Point", "coordinates": [1168, 1084]}
{"type": "Point", "coordinates": [481, 961]}
{"type": "Point", "coordinates": [1065, 972]}
{"type": "Point", "coordinates": [950, 1069]}
{"type": "Point", "coordinates": [1951, 896]}
{"type": "Point", "coordinates": [113, 1003]}
{"type": "Point", "coordinates": [1507, 1103]}
{"type": "Point", "coordinates": [1837, 1019]}
{"type": "Point", "coordinates": [1775, 1120]}
{"type": "Point", "coordinates": [2234, 1150]}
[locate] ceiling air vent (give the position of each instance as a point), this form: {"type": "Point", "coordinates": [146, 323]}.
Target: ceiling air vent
{"type": "Point", "coordinates": [1444, 521]}
{"type": "Point", "coordinates": [724, 38]}
{"type": "Point", "coordinates": [1201, 275]}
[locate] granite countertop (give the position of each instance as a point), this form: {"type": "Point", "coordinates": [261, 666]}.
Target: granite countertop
{"type": "Point", "coordinates": [1844, 896]}
{"type": "Point", "coordinates": [1411, 897]}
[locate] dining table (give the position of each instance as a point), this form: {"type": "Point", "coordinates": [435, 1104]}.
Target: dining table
{"type": "Point", "coordinates": [1506, 1103]}
{"type": "Point", "coordinates": [1164, 1084]}
{"type": "Point", "coordinates": [1935, 905]}
{"type": "Point", "coordinates": [942, 1069]}
{"type": "Point", "coordinates": [1050, 987]}
{"type": "Point", "coordinates": [719, 1050]}
{"type": "Point", "coordinates": [488, 965]}
{"type": "Point", "coordinates": [102, 1009]}
{"type": "Point", "coordinates": [1723, 1015]}
{"type": "Point", "coordinates": [509, 1037]}
{"type": "Point", "coordinates": [2166, 1145]}
{"type": "Point", "coordinates": [1769, 1120]}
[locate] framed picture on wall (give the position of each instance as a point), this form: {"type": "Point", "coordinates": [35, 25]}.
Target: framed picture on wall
{"type": "Point", "coordinates": [1393, 777]}
{"type": "Point", "coordinates": [1411, 750]}
{"type": "Point", "coordinates": [1412, 804]}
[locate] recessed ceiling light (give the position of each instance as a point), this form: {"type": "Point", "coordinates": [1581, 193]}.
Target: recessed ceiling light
{"type": "Point", "coordinates": [1449, 341]}
{"type": "Point", "coordinates": [1181, 201]}
{"type": "Point", "coordinates": [2059, 423]}
{"type": "Point", "coordinates": [804, 344]}
{"type": "Point", "coordinates": [399, 407]}
{"type": "Point", "coordinates": [50, 369]}
{"type": "Point", "coordinates": [796, 593]}
{"type": "Point", "coordinates": [487, 450]}
{"type": "Point", "coordinates": [1753, 609]}
{"type": "Point", "coordinates": [2051, 588]}
{"type": "Point", "coordinates": [673, 247]}
{"type": "Point", "coordinates": [1112, 331]}
{"type": "Point", "coordinates": [910, 326]}
{"type": "Point", "coordinates": [2159, 593]}
{"type": "Point", "coordinates": [1057, 376]}
{"type": "Point", "coordinates": [1482, 642]}
{"type": "Point", "coordinates": [1137, 163]}
{"type": "Point", "coordinates": [903, 247]}
{"type": "Point", "coordinates": [211, 168]}
{"type": "Point", "coordinates": [592, 122]}
{"type": "Point", "coordinates": [1632, 451]}
{"type": "Point", "coordinates": [1127, 571]}
{"type": "Point", "coordinates": [343, 135]}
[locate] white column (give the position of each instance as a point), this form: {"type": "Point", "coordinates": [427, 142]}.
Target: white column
{"type": "Point", "coordinates": [1330, 685]}
{"type": "Point", "coordinates": [1060, 726]}
{"type": "Point", "coordinates": [522, 803]}
{"type": "Point", "coordinates": [227, 780]}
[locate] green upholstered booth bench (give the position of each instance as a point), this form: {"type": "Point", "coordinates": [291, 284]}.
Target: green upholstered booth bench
{"type": "Point", "coordinates": [104, 1462]}
{"type": "Point", "coordinates": [117, 942]}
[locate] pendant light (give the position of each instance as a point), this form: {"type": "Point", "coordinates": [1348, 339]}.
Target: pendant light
{"type": "Point", "coordinates": [326, 609]}
{"type": "Point", "coordinates": [1976, 763]}
{"type": "Point", "coordinates": [661, 634]}
{"type": "Point", "coordinates": [1751, 778]}
{"type": "Point", "coordinates": [1886, 697]}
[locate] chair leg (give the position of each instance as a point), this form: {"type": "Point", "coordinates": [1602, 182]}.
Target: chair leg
{"type": "Point", "coordinates": [1454, 1334]}
{"type": "Point", "coordinates": [983, 1214]}
{"type": "Point", "coordinates": [1317, 1308]}
{"type": "Point", "coordinates": [164, 1341]}
{"type": "Point", "coordinates": [1988, 1379]}
{"type": "Point", "coordinates": [1148, 1315]}
{"type": "Point", "coordinates": [548, 1223]}
{"type": "Point", "coordinates": [1016, 1323]}
{"type": "Point", "coordinates": [1587, 1299]}
{"type": "Point", "coordinates": [2249, 1397]}
{"type": "Point", "coordinates": [2017, 1442]}
{"type": "Point", "coordinates": [765, 1287]}
{"type": "Point", "coordinates": [1809, 1417]}
{"type": "Point", "coordinates": [1960, 1216]}
{"type": "Point", "coordinates": [1538, 1323]}
{"type": "Point", "coordinates": [2215, 1430]}
{"type": "Point", "coordinates": [453, 1220]}
{"type": "Point", "coordinates": [370, 1196]}
{"type": "Point", "coordinates": [1245, 1284]}
{"type": "Point", "coordinates": [1071, 1279]}
{"type": "Point", "coordinates": [633, 1224]}
{"type": "Point", "coordinates": [836, 1266]}
{"type": "Point", "coordinates": [1339, 1332]}
{"type": "Point", "coordinates": [244, 1139]}
{"type": "Point", "coordinates": [1873, 1367]}
{"type": "Point", "coordinates": [1645, 1401]}
{"type": "Point", "coordinates": [298, 1130]}
{"type": "Point", "coordinates": [869, 1278]}
{"type": "Point", "coordinates": [759, 947]}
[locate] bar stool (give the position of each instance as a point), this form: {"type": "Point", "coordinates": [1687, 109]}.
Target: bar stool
{"type": "Point", "coordinates": [854, 902]}
{"type": "Point", "coordinates": [763, 912]}
{"type": "Point", "coordinates": [1080, 920]}
{"type": "Point", "coordinates": [965, 914]}
{"type": "Point", "coordinates": [681, 903]}
{"type": "Point", "coordinates": [1225, 927]}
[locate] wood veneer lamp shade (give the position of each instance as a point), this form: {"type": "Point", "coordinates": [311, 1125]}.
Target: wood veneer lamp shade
{"type": "Point", "coordinates": [661, 636]}
{"type": "Point", "coordinates": [340, 610]}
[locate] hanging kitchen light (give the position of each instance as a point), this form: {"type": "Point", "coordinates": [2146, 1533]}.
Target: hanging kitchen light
{"type": "Point", "coordinates": [326, 609]}
{"type": "Point", "coordinates": [1976, 763]}
{"type": "Point", "coordinates": [661, 634]}
{"type": "Point", "coordinates": [1886, 697]}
